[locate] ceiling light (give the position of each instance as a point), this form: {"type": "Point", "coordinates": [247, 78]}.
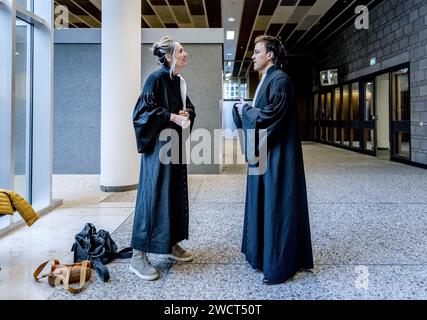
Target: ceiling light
{"type": "Point", "coordinates": [229, 63]}
{"type": "Point", "coordinates": [230, 35]}
{"type": "Point", "coordinates": [231, 19]}
{"type": "Point", "coordinates": [228, 54]}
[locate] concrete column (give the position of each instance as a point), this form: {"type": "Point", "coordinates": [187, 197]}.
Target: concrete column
{"type": "Point", "coordinates": [120, 88]}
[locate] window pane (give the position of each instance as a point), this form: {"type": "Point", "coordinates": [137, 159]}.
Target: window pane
{"type": "Point", "coordinates": [27, 4]}
{"type": "Point", "coordinates": [337, 104]}
{"type": "Point", "coordinates": [401, 144]}
{"type": "Point", "coordinates": [21, 113]}
{"type": "Point", "coordinates": [345, 111]}
{"type": "Point", "coordinates": [355, 101]}
{"type": "Point", "coordinates": [354, 136]}
{"type": "Point", "coordinates": [328, 106]}
{"type": "Point", "coordinates": [322, 108]}
{"type": "Point", "coordinates": [369, 102]}
{"type": "Point", "coordinates": [369, 139]}
{"type": "Point", "coordinates": [337, 114]}
{"type": "Point", "coordinates": [316, 111]}
{"type": "Point", "coordinates": [400, 96]}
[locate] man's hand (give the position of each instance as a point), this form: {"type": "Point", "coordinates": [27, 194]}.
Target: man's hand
{"type": "Point", "coordinates": [239, 108]}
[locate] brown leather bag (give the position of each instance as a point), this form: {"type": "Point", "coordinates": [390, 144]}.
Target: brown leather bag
{"type": "Point", "coordinates": [65, 274]}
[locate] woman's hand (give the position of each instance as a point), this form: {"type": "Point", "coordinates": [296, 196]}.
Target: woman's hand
{"type": "Point", "coordinates": [184, 113]}
{"type": "Point", "coordinates": [180, 120]}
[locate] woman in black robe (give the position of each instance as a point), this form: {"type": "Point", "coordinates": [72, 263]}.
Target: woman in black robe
{"type": "Point", "coordinates": [276, 231]}
{"type": "Point", "coordinates": [161, 210]}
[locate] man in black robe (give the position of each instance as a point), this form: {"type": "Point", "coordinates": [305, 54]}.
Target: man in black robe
{"type": "Point", "coordinates": [276, 231]}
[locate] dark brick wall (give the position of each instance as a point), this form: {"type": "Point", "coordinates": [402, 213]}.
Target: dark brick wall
{"type": "Point", "coordinates": [397, 34]}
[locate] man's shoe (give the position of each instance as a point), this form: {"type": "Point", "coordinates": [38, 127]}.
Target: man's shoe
{"type": "Point", "coordinates": [140, 265]}
{"type": "Point", "coordinates": [271, 282]}
{"type": "Point", "coordinates": [179, 254]}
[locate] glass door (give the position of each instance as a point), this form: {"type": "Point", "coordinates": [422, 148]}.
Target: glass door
{"type": "Point", "coordinates": [400, 115]}
{"type": "Point", "coordinates": [369, 118]}
{"type": "Point", "coordinates": [345, 115]}
{"type": "Point", "coordinates": [338, 137]}
{"type": "Point", "coordinates": [354, 116]}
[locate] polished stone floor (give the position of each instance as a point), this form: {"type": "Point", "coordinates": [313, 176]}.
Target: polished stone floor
{"type": "Point", "coordinates": [368, 221]}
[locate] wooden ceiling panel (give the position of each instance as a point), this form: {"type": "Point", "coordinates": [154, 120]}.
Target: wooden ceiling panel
{"type": "Point", "coordinates": [250, 11]}
{"type": "Point", "coordinates": [196, 7]}
{"type": "Point", "coordinates": [171, 25]}
{"type": "Point", "coordinates": [287, 30]}
{"type": "Point", "coordinates": [213, 10]}
{"type": "Point", "coordinates": [153, 21]}
{"type": "Point", "coordinates": [176, 2]}
{"type": "Point", "coordinates": [181, 14]}
{"type": "Point", "coordinates": [72, 7]}
{"type": "Point", "coordinates": [90, 8]}
{"type": "Point", "coordinates": [302, 24]}
{"type": "Point", "coordinates": [307, 2]}
{"type": "Point", "coordinates": [262, 22]}
{"type": "Point", "coordinates": [164, 14]}
{"type": "Point", "coordinates": [274, 29]}
{"type": "Point", "coordinates": [158, 2]}
{"type": "Point", "coordinates": [268, 7]}
{"type": "Point", "coordinates": [288, 2]}
{"type": "Point", "coordinates": [200, 22]}
{"type": "Point", "coordinates": [146, 8]}
{"type": "Point", "coordinates": [282, 14]}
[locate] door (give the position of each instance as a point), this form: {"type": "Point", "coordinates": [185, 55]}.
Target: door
{"type": "Point", "coordinates": [382, 106]}
{"type": "Point", "coordinates": [369, 118]}
{"type": "Point", "coordinates": [400, 115]}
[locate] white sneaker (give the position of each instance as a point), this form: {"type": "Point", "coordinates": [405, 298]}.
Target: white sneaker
{"type": "Point", "coordinates": [140, 266]}
{"type": "Point", "coordinates": [179, 254]}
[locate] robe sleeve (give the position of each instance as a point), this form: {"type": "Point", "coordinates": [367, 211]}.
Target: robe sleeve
{"type": "Point", "coordinates": [149, 118]}
{"type": "Point", "coordinates": [236, 118]}
{"type": "Point", "coordinates": [270, 116]}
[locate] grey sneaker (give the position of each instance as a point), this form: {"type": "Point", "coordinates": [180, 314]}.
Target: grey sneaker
{"type": "Point", "coordinates": [140, 265]}
{"type": "Point", "coordinates": [179, 254]}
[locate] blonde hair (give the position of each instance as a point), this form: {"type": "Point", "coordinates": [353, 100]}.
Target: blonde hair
{"type": "Point", "coordinates": [164, 46]}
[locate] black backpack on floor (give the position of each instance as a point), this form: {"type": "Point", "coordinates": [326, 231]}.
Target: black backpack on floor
{"type": "Point", "coordinates": [99, 248]}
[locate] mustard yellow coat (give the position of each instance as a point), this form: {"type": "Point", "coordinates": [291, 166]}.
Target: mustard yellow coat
{"type": "Point", "coordinates": [10, 200]}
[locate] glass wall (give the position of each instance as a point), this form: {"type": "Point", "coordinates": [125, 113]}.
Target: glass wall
{"type": "Point", "coordinates": [234, 88]}
{"type": "Point", "coordinates": [26, 4]}
{"type": "Point", "coordinates": [26, 106]}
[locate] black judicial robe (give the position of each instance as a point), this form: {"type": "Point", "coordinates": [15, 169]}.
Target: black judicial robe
{"type": "Point", "coordinates": [161, 210]}
{"type": "Point", "coordinates": [276, 231]}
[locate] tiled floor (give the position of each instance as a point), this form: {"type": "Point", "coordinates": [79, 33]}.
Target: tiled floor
{"type": "Point", "coordinates": [368, 220]}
